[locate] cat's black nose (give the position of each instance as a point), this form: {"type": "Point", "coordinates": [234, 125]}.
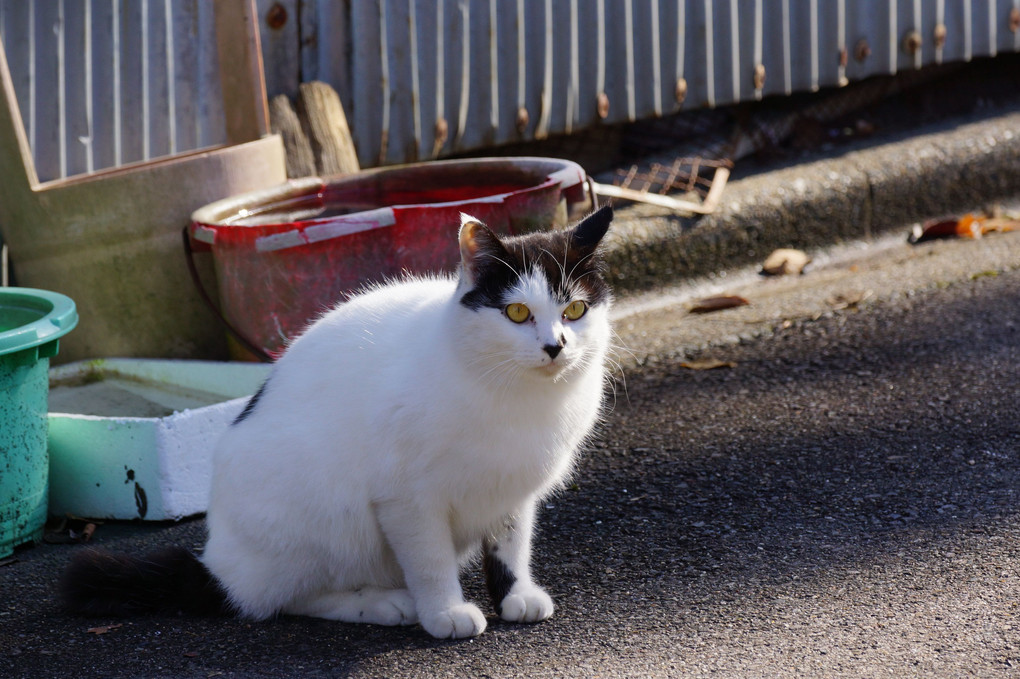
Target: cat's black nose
{"type": "Point", "coordinates": [552, 349]}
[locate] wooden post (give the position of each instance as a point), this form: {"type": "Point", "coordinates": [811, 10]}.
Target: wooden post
{"type": "Point", "coordinates": [241, 76]}
{"type": "Point", "coordinates": [326, 125]}
{"type": "Point", "coordinates": [285, 122]}
{"type": "Point", "coordinates": [17, 169]}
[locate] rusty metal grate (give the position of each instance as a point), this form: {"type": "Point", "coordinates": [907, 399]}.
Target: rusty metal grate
{"type": "Point", "coordinates": [684, 175]}
{"type": "Point", "coordinates": [651, 184]}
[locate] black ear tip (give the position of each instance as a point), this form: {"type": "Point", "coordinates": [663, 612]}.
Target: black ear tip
{"type": "Point", "coordinates": [602, 216]}
{"type": "Point", "coordinates": [590, 230]}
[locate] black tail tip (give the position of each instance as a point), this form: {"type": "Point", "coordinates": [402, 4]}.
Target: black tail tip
{"type": "Point", "coordinates": [81, 585]}
{"type": "Point", "coordinates": [171, 580]}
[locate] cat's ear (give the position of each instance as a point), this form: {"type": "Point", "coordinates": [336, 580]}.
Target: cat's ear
{"type": "Point", "coordinates": [589, 231]}
{"type": "Point", "coordinates": [478, 245]}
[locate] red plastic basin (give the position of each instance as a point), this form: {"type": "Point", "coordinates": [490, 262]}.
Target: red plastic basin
{"type": "Point", "coordinates": [284, 255]}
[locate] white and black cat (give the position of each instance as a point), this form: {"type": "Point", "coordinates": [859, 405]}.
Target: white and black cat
{"type": "Point", "coordinates": [406, 430]}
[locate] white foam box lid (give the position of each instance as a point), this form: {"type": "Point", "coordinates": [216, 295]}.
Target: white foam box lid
{"type": "Point", "coordinates": [133, 438]}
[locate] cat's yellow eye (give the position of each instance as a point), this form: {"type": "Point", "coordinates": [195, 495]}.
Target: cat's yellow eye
{"type": "Point", "coordinates": [575, 310]}
{"type": "Point", "coordinates": [518, 313]}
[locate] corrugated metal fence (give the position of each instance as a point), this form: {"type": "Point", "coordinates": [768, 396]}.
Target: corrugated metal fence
{"type": "Point", "coordinates": [101, 83]}
{"type": "Point", "coordinates": [424, 78]}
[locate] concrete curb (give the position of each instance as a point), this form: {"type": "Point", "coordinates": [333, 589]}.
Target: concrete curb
{"type": "Point", "coordinates": [855, 195]}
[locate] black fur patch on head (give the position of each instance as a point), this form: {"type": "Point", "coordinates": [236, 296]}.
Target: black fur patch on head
{"type": "Point", "coordinates": [568, 259]}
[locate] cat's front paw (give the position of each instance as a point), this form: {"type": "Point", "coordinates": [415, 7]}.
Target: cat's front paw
{"type": "Point", "coordinates": [390, 607]}
{"type": "Point", "coordinates": [456, 622]}
{"type": "Point", "coordinates": [530, 604]}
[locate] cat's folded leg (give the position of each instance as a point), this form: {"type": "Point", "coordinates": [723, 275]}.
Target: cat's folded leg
{"type": "Point", "coordinates": [506, 560]}
{"type": "Point", "coordinates": [423, 545]}
{"type": "Point", "coordinates": [373, 605]}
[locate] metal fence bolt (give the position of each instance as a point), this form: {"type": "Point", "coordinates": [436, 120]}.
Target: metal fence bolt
{"type": "Point", "coordinates": [862, 50]}
{"type": "Point", "coordinates": [1014, 20]}
{"type": "Point", "coordinates": [911, 42]}
{"type": "Point", "coordinates": [276, 16]}
{"type": "Point", "coordinates": [523, 119]}
{"type": "Point", "coordinates": [759, 76]}
{"type": "Point", "coordinates": [680, 92]}
{"type": "Point", "coordinates": [602, 105]}
{"type": "Point", "coordinates": [939, 35]}
{"type": "Point", "coordinates": [442, 131]}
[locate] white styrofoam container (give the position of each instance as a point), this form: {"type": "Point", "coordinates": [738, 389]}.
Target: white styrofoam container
{"type": "Point", "coordinates": [133, 438]}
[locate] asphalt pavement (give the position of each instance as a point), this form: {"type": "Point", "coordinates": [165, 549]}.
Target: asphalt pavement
{"type": "Point", "coordinates": [839, 498]}
{"type": "Point", "coordinates": [842, 500]}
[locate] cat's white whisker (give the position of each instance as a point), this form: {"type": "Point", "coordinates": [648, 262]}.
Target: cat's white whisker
{"type": "Point", "coordinates": [503, 262]}
{"type": "Point", "coordinates": [562, 267]}
{"type": "Point", "coordinates": [578, 263]}
{"type": "Point", "coordinates": [499, 372]}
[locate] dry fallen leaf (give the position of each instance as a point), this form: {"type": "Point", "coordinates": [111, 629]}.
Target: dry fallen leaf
{"type": "Point", "coordinates": [1000, 224]}
{"type": "Point", "coordinates": [707, 364]}
{"type": "Point", "coordinates": [945, 228]}
{"type": "Point", "coordinates": [88, 531]}
{"type": "Point", "coordinates": [69, 529]}
{"type": "Point", "coordinates": [785, 262]}
{"type": "Point", "coordinates": [967, 226]}
{"type": "Point", "coordinates": [850, 299]}
{"type": "Point", "coordinates": [709, 304]}
{"type": "Point", "coordinates": [104, 628]}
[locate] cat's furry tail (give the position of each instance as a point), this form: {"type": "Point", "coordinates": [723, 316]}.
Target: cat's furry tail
{"type": "Point", "coordinates": [171, 580]}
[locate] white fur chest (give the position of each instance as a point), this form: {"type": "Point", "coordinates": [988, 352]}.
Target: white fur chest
{"type": "Point", "coordinates": [498, 452]}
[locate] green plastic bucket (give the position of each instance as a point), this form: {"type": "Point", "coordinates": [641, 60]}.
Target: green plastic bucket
{"type": "Point", "coordinates": [31, 323]}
